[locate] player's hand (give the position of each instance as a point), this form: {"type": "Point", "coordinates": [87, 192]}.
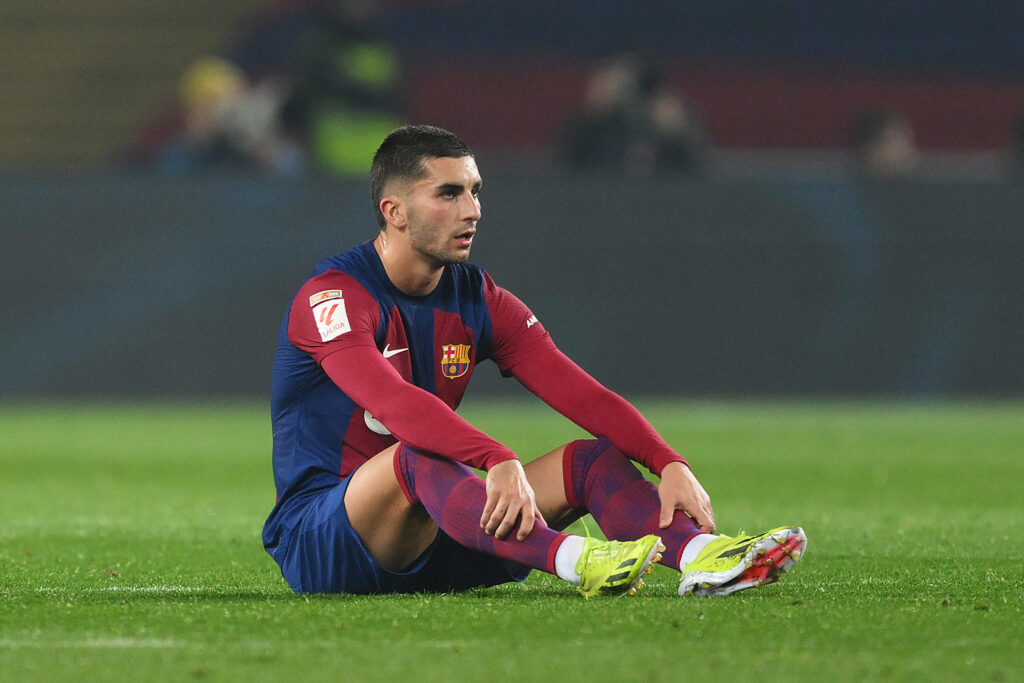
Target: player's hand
{"type": "Point", "coordinates": [509, 498]}
{"type": "Point", "coordinates": [680, 490]}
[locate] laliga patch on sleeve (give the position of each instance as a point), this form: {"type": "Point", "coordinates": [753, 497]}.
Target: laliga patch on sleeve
{"type": "Point", "coordinates": [331, 318]}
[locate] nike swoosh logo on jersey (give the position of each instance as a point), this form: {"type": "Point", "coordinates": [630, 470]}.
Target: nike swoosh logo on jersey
{"type": "Point", "coordinates": [389, 352]}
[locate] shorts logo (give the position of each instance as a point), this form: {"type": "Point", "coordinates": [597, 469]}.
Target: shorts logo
{"type": "Point", "coordinates": [454, 360]}
{"type": "Point", "coordinates": [329, 314]}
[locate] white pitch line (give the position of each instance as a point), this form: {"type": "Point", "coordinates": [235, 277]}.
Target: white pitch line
{"type": "Point", "coordinates": [123, 589]}
{"type": "Point", "coordinates": [153, 589]}
{"type": "Point", "coordinates": [96, 643]}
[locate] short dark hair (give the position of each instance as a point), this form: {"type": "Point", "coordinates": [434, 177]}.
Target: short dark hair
{"type": "Point", "coordinates": [402, 154]}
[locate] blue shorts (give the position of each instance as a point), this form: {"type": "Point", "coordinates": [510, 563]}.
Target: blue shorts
{"type": "Point", "coordinates": [323, 554]}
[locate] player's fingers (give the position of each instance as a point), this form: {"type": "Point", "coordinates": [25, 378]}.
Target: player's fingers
{"type": "Point", "coordinates": [497, 519]}
{"type": "Point", "coordinates": [705, 518]}
{"type": "Point", "coordinates": [529, 518]}
{"type": "Point", "coordinates": [711, 520]}
{"type": "Point", "coordinates": [508, 521]}
{"type": "Point", "coordinates": [668, 511]}
{"type": "Point", "coordinates": [494, 511]}
{"type": "Point", "coordinates": [492, 502]}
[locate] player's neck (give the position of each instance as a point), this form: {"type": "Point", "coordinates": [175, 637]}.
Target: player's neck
{"type": "Point", "coordinates": [408, 271]}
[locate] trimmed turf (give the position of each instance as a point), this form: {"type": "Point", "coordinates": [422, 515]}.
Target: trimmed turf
{"type": "Point", "coordinates": [129, 550]}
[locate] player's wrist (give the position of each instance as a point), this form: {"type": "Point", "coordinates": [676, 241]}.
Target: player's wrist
{"type": "Point", "coordinates": [670, 461]}
{"type": "Point", "coordinates": [497, 458]}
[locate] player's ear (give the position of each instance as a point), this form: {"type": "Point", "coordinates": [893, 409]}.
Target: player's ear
{"type": "Point", "coordinates": [393, 209]}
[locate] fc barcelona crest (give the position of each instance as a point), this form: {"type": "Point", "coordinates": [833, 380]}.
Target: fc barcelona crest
{"type": "Point", "coordinates": [454, 360]}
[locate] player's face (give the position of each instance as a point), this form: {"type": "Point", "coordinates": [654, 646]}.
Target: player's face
{"type": "Point", "coordinates": [443, 209]}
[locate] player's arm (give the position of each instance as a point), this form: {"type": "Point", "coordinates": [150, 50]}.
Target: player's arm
{"type": "Point", "coordinates": [524, 350]}
{"type": "Point", "coordinates": [567, 388]}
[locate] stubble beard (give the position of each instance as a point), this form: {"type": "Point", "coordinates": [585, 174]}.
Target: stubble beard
{"type": "Point", "coordinates": [424, 239]}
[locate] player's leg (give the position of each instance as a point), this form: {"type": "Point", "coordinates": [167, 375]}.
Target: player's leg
{"type": "Point", "coordinates": [593, 476]}
{"type": "Point", "coordinates": [394, 531]}
{"type": "Point", "coordinates": [365, 536]}
{"type": "Point", "coordinates": [453, 497]}
{"type": "Point", "coordinates": [324, 553]}
{"type": "Point", "coordinates": [545, 475]}
{"type": "Point", "coordinates": [378, 532]}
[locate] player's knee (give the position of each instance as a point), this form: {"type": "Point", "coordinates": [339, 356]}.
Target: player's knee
{"type": "Point", "coordinates": [589, 450]}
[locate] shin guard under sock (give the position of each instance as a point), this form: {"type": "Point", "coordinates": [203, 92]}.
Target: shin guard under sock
{"type": "Point", "coordinates": [455, 496]}
{"type": "Point", "coordinates": [601, 480]}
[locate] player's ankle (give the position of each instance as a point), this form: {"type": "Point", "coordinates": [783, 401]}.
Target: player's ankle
{"type": "Point", "coordinates": [566, 558]}
{"type": "Point", "coordinates": [693, 547]}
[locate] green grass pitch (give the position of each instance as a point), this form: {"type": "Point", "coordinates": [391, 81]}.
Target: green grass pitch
{"type": "Point", "coordinates": [129, 550]}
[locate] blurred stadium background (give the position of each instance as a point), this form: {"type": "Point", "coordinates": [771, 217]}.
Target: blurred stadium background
{"type": "Point", "coordinates": [773, 270]}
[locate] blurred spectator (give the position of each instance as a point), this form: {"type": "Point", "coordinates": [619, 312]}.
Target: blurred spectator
{"type": "Point", "coordinates": [883, 146]}
{"type": "Point", "coordinates": [309, 85]}
{"type": "Point", "coordinates": [633, 120]}
{"type": "Point", "coordinates": [225, 122]}
{"type": "Point", "coordinates": [343, 79]}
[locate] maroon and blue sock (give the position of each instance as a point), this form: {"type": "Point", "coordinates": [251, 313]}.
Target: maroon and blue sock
{"type": "Point", "coordinates": [602, 481]}
{"type": "Point", "coordinates": [455, 496]}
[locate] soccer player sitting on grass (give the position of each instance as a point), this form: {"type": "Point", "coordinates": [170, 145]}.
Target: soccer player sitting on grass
{"type": "Point", "coordinates": [375, 491]}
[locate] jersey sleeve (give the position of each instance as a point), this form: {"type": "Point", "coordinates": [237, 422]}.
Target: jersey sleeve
{"type": "Point", "coordinates": [332, 311]}
{"type": "Point", "coordinates": [570, 390]}
{"type": "Point", "coordinates": [516, 333]}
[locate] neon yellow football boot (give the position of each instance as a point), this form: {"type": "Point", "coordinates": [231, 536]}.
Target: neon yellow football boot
{"type": "Point", "coordinates": [728, 564]}
{"type": "Point", "coordinates": [616, 567]}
